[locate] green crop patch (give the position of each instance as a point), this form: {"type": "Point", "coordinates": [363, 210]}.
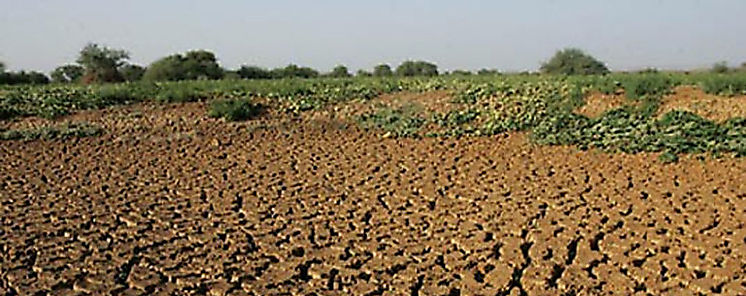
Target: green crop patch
{"type": "Point", "coordinates": [62, 132]}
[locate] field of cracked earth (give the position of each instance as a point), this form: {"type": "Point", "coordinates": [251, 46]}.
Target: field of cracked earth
{"type": "Point", "coordinates": [170, 202]}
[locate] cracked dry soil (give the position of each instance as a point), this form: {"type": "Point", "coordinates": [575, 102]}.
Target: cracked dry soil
{"type": "Point", "coordinates": [312, 208]}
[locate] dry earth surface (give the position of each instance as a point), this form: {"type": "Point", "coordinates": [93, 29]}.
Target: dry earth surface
{"type": "Point", "coordinates": [171, 202]}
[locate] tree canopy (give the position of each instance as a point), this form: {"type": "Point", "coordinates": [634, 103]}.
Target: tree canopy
{"type": "Point", "coordinates": [253, 72]}
{"type": "Point", "coordinates": [67, 73]}
{"type": "Point", "coordinates": [340, 71]}
{"type": "Point", "coordinates": [417, 68]}
{"type": "Point", "coordinates": [132, 72]}
{"type": "Point", "coordinates": [294, 71]}
{"type": "Point", "coordinates": [382, 70]}
{"type": "Point", "coordinates": [573, 61]}
{"type": "Point", "coordinates": [197, 64]}
{"type": "Point", "coordinates": [101, 63]}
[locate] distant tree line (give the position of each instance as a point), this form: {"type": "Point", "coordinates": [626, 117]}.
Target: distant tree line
{"type": "Point", "coordinates": [100, 64]}
{"type": "Point", "coordinates": [21, 77]}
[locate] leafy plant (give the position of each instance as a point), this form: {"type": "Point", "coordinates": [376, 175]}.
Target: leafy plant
{"type": "Point", "coordinates": [77, 130]}
{"type": "Point", "coordinates": [235, 110]}
{"type": "Point", "coordinates": [400, 122]}
{"type": "Point", "coordinates": [573, 61]}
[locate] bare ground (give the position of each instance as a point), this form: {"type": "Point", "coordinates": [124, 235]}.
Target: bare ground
{"type": "Point", "coordinates": [171, 202]}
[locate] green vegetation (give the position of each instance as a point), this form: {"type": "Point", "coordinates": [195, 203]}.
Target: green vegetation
{"type": "Point", "coordinates": [417, 68]}
{"type": "Point", "coordinates": [573, 61]}
{"type": "Point", "coordinates": [67, 73]}
{"type": "Point", "coordinates": [23, 77]}
{"type": "Point", "coordinates": [253, 72]}
{"type": "Point", "coordinates": [131, 72]}
{"type": "Point", "coordinates": [486, 104]}
{"type": "Point", "coordinates": [340, 71]}
{"type": "Point", "coordinates": [399, 122]}
{"type": "Point", "coordinates": [383, 70]}
{"type": "Point", "coordinates": [720, 68]}
{"type": "Point", "coordinates": [101, 63]}
{"type": "Point", "coordinates": [235, 109]}
{"type": "Point", "coordinates": [197, 64]}
{"type": "Point", "coordinates": [70, 130]}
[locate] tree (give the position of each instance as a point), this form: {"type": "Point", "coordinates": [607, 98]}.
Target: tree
{"type": "Point", "coordinates": [132, 72]}
{"type": "Point", "coordinates": [67, 73]}
{"type": "Point", "coordinates": [23, 77]}
{"type": "Point", "coordinates": [198, 64]}
{"type": "Point", "coordinates": [2, 67]}
{"type": "Point", "coordinates": [573, 61]}
{"type": "Point", "coordinates": [382, 70]}
{"type": "Point", "coordinates": [294, 71]}
{"type": "Point", "coordinates": [417, 68]}
{"type": "Point", "coordinates": [101, 63]}
{"type": "Point", "coordinates": [253, 72]}
{"type": "Point", "coordinates": [202, 64]}
{"type": "Point", "coordinates": [720, 67]}
{"type": "Point", "coordinates": [340, 71]}
{"type": "Point", "coordinates": [363, 73]}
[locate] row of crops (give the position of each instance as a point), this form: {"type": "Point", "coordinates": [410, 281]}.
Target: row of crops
{"type": "Point", "coordinates": [542, 105]}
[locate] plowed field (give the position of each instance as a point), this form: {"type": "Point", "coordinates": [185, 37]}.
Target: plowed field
{"type": "Point", "coordinates": [169, 202]}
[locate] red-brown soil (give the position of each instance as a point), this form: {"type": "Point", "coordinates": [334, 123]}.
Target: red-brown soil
{"type": "Point", "coordinates": [170, 202]}
{"type": "Point", "coordinates": [596, 103]}
{"type": "Point", "coordinates": [712, 107]}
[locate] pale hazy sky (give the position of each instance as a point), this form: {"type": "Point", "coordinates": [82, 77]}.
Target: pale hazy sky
{"type": "Point", "coordinates": [465, 34]}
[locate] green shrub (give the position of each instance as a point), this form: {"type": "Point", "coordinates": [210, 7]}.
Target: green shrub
{"type": "Point", "coordinates": [573, 61]}
{"type": "Point", "coordinates": [235, 110]}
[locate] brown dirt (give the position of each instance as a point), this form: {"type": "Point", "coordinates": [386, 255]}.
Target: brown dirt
{"type": "Point", "coordinates": [596, 103]}
{"type": "Point", "coordinates": [190, 205]}
{"type": "Point", "coordinates": [712, 107]}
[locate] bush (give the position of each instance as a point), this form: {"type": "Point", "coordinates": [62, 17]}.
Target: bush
{"type": "Point", "coordinates": [573, 61]}
{"type": "Point", "coordinates": [235, 110]}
